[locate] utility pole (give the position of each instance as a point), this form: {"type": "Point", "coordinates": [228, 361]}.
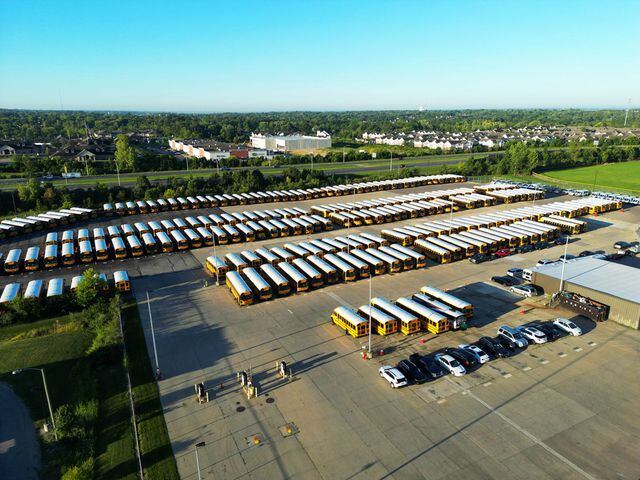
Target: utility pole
{"type": "Point", "coordinates": [391, 162]}
{"type": "Point", "coordinates": [343, 155]}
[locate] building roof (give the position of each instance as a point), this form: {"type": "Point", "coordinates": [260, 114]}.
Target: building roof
{"type": "Point", "coordinates": [604, 276]}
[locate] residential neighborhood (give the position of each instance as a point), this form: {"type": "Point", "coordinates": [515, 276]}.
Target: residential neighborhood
{"type": "Point", "coordinates": [496, 138]}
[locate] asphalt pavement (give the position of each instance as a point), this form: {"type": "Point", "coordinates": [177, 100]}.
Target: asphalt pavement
{"type": "Point", "coordinates": [19, 448]}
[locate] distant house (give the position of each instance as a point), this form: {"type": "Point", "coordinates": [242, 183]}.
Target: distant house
{"type": "Point", "coordinates": [85, 156]}
{"type": "Point", "coordinates": [6, 150]}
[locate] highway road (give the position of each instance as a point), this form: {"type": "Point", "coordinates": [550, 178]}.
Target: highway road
{"type": "Point", "coordinates": [359, 167]}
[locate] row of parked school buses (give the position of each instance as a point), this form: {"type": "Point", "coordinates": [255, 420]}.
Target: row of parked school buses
{"type": "Point", "coordinates": [431, 310]}
{"type": "Point", "coordinates": [400, 208]}
{"type": "Point", "coordinates": [55, 288]}
{"type": "Point", "coordinates": [48, 220]}
{"type": "Point", "coordinates": [226, 199]}
{"type": "Point", "coordinates": [123, 241]}
{"type": "Point", "coordinates": [266, 273]}
{"type": "Point", "coordinates": [381, 210]}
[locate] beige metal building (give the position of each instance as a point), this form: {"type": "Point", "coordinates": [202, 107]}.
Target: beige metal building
{"type": "Point", "coordinates": [610, 283]}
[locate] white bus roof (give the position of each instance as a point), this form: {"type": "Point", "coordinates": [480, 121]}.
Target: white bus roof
{"type": "Point", "coordinates": [56, 287]}
{"type": "Point", "coordinates": [34, 289]}
{"type": "Point", "coordinates": [10, 292]}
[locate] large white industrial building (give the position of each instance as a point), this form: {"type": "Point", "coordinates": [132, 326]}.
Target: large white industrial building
{"type": "Point", "coordinates": [287, 143]}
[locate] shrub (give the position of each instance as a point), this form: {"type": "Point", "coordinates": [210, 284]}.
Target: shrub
{"type": "Point", "coordinates": [83, 471]}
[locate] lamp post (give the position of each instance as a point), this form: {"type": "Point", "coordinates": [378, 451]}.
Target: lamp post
{"type": "Point", "coordinates": [46, 392]}
{"type": "Point", "coordinates": [370, 282]}
{"type": "Point", "coordinates": [153, 339]}
{"type": "Point", "coordinates": [216, 256]}
{"type": "Point", "coordinates": [564, 263]}
{"type": "Point", "coordinates": [117, 171]}
{"type": "Point", "coordinates": [198, 445]}
{"type": "Point", "coordinates": [391, 162]}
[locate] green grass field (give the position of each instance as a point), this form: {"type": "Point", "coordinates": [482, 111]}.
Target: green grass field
{"type": "Point", "coordinates": [617, 176]}
{"type": "Point", "coordinates": [59, 346]}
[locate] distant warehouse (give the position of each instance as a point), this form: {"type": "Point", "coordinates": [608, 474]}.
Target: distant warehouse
{"type": "Point", "coordinates": [615, 286]}
{"type": "Point", "coordinates": [288, 143]}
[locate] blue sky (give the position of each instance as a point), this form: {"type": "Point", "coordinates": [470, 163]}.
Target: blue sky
{"type": "Point", "coordinates": [324, 55]}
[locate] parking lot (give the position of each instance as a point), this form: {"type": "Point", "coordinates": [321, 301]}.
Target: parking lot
{"type": "Point", "coordinates": [566, 409]}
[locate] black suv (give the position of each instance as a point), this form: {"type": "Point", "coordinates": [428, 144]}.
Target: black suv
{"type": "Point", "coordinates": [550, 330]}
{"type": "Point", "coordinates": [428, 365]}
{"type": "Point", "coordinates": [411, 371]}
{"type": "Point", "coordinates": [504, 280]}
{"type": "Point", "coordinates": [459, 355]}
{"type": "Point", "coordinates": [492, 347]}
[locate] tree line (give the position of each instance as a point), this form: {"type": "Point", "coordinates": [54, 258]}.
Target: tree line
{"type": "Point", "coordinates": [35, 196]}
{"type": "Point", "coordinates": [235, 127]}
{"type": "Point", "coordinates": [522, 159]}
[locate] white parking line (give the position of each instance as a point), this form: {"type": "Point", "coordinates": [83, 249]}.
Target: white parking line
{"type": "Point", "coordinates": [534, 439]}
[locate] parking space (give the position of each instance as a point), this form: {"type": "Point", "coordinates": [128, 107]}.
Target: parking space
{"type": "Point", "coordinates": [565, 409]}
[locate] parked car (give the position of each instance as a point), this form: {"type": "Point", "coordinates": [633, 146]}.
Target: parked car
{"type": "Point", "coordinates": [451, 364]}
{"type": "Point", "coordinates": [411, 371]}
{"type": "Point", "coordinates": [568, 326]}
{"type": "Point", "coordinates": [545, 261]}
{"type": "Point", "coordinates": [503, 252]}
{"type": "Point", "coordinates": [504, 280]}
{"type": "Point", "coordinates": [621, 245]}
{"type": "Point", "coordinates": [479, 258]}
{"type": "Point", "coordinates": [560, 241]}
{"type": "Point", "coordinates": [525, 248]}
{"type": "Point", "coordinates": [532, 334]}
{"type": "Point", "coordinates": [541, 245]}
{"type": "Point", "coordinates": [392, 375]}
{"type": "Point", "coordinates": [492, 347]}
{"type": "Point", "coordinates": [513, 336]}
{"type": "Point", "coordinates": [515, 272]}
{"type": "Point", "coordinates": [586, 253]}
{"type": "Point", "coordinates": [476, 351]}
{"type": "Point", "coordinates": [550, 330]}
{"type": "Point", "coordinates": [507, 344]}
{"type": "Point", "coordinates": [428, 365]}
{"type": "Point", "coordinates": [564, 258]}
{"type": "Point", "coordinates": [524, 290]}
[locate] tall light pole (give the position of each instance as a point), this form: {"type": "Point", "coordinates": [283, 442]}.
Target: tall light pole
{"type": "Point", "coordinates": [564, 263]}
{"type": "Point", "coordinates": [391, 162]}
{"type": "Point", "coordinates": [216, 256]}
{"type": "Point", "coordinates": [198, 445]}
{"type": "Point", "coordinates": [118, 171]}
{"type": "Point", "coordinates": [46, 392]}
{"type": "Point", "coordinates": [311, 161]}
{"type": "Point", "coordinates": [153, 338]}
{"type": "Point", "coordinates": [370, 282]}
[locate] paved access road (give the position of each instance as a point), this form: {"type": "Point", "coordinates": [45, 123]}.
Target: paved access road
{"type": "Point", "coordinates": [567, 409]}
{"type": "Point", "coordinates": [19, 448]}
